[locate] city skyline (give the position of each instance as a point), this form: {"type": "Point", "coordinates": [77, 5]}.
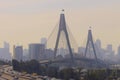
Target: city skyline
{"type": "Point", "coordinates": [59, 39]}
{"type": "Point", "coordinates": [27, 21]}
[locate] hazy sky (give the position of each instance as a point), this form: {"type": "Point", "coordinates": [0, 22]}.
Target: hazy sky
{"type": "Point", "coordinates": [26, 21]}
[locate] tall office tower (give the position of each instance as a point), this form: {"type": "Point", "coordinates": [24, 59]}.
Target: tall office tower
{"type": "Point", "coordinates": [109, 48]}
{"type": "Point", "coordinates": [49, 54]}
{"type": "Point", "coordinates": [81, 51]}
{"type": "Point", "coordinates": [99, 49]}
{"type": "Point", "coordinates": [5, 53]}
{"type": "Point", "coordinates": [18, 53]}
{"type": "Point", "coordinates": [62, 52]}
{"type": "Point", "coordinates": [109, 52]}
{"type": "Point", "coordinates": [98, 43]}
{"type": "Point", "coordinates": [44, 41]}
{"type": "Point", "coordinates": [36, 51]}
{"type": "Point", "coordinates": [6, 45]}
{"type": "Point", "coordinates": [118, 51]}
{"type": "Point", "coordinates": [25, 54]}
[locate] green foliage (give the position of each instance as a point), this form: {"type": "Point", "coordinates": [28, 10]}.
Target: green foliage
{"type": "Point", "coordinates": [69, 73]}
{"type": "Point", "coordinates": [5, 62]}
{"type": "Point", "coordinates": [33, 66]}
{"type": "Point", "coordinates": [52, 71]}
{"type": "Point", "coordinates": [29, 66]}
{"type": "Point", "coordinates": [97, 75]}
{"type": "Point", "coordinates": [66, 73]}
{"type": "Point", "coordinates": [16, 65]}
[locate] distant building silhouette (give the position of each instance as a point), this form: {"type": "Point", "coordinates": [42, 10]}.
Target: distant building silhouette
{"type": "Point", "coordinates": [118, 51]}
{"type": "Point", "coordinates": [5, 52]}
{"type": "Point", "coordinates": [81, 51]}
{"type": "Point", "coordinates": [18, 53]}
{"type": "Point", "coordinates": [98, 43]}
{"type": "Point", "coordinates": [36, 51]}
{"type": "Point", "coordinates": [49, 54]}
{"type": "Point", "coordinates": [110, 53]}
{"type": "Point", "coordinates": [6, 45]}
{"type": "Point", "coordinates": [98, 48]}
{"type": "Point", "coordinates": [109, 47]}
{"type": "Point", "coordinates": [62, 52]}
{"type": "Point", "coordinates": [25, 54]}
{"type": "Point", "coordinates": [44, 41]}
{"type": "Point", "coordinates": [118, 54]}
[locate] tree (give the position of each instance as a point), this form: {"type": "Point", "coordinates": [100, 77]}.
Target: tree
{"type": "Point", "coordinates": [16, 65]}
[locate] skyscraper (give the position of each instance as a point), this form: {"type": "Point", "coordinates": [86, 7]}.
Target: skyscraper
{"type": "Point", "coordinates": [18, 53]}
{"type": "Point", "coordinates": [110, 53]}
{"type": "Point", "coordinates": [98, 43]}
{"type": "Point", "coordinates": [99, 49]}
{"type": "Point", "coordinates": [36, 51]}
{"type": "Point", "coordinates": [5, 53]}
{"type": "Point", "coordinates": [25, 54]}
{"type": "Point", "coordinates": [81, 50]}
{"type": "Point", "coordinates": [43, 41]}
{"type": "Point", "coordinates": [6, 45]}
{"type": "Point", "coordinates": [118, 51]}
{"type": "Point", "coordinates": [109, 48]}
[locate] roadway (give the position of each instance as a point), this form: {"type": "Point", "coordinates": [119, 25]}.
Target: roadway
{"type": "Point", "coordinates": [7, 73]}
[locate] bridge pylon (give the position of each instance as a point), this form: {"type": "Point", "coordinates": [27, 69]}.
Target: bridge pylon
{"type": "Point", "coordinates": [62, 28]}
{"type": "Point", "coordinates": [90, 41]}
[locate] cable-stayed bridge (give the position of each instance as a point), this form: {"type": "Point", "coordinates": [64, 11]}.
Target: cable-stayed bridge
{"type": "Point", "coordinates": [63, 44]}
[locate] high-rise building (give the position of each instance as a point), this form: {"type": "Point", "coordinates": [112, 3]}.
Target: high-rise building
{"type": "Point", "coordinates": [5, 53]}
{"type": "Point", "coordinates": [110, 53]}
{"type": "Point", "coordinates": [49, 54]}
{"type": "Point", "coordinates": [81, 51]}
{"type": "Point", "coordinates": [62, 52]}
{"type": "Point", "coordinates": [36, 51]}
{"type": "Point", "coordinates": [98, 43]}
{"type": "Point", "coordinates": [118, 51]}
{"type": "Point", "coordinates": [6, 45]}
{"type": "Point", "coordinates": [98, 49]}
{"type": "Point", "coordinates": [43, 41]}
{"type": "Point", "coordinates": [109, 48]}
{"type": "Point", "coordinates": [18, 53]}
{"type": "Point", "coordinates": [118, 54]}
{"type": "Point", "coordinates": [25, 55]}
